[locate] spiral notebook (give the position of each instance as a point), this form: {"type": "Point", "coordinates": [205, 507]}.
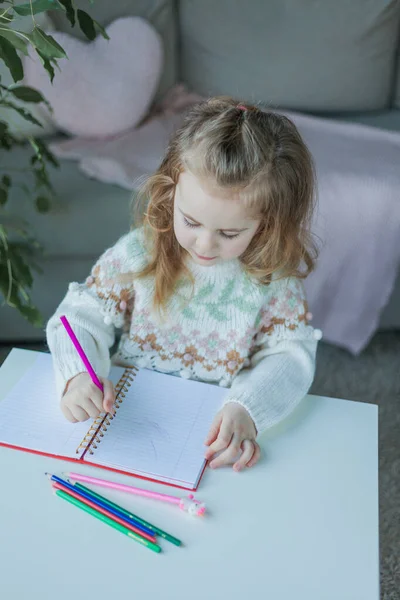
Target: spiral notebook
{"type": "Point", "coordinates": [157, 433]}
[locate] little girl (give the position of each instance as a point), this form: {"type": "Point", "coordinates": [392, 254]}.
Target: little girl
{"type": "Point", "coordinates": [208, 285]}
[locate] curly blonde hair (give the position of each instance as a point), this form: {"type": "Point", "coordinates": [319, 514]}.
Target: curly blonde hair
{"type": "Point", "coordinates": [257, 154]}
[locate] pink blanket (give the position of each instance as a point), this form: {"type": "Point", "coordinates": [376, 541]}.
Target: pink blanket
{"type": "Point", "coordinates": [357, 221]}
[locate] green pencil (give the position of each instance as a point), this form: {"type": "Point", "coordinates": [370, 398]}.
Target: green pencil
{"type": "Point", "coordinates": [108, 521]}
{"type": "Point", "coordinates": [168, 537]}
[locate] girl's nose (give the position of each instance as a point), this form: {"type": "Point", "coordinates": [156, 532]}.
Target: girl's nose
{"type": "Point", "coordinates": [205, 243]}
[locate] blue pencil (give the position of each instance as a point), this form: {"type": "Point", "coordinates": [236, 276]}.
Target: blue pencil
{"type": "Point", "coordinates": [98, 502]}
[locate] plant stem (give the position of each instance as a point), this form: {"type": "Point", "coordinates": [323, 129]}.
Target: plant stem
{"type": "Point", "coordinates": [10, 280]}
{"type": "Point", "coordinates": [33, 18]}
{"type": "Point", "coordinates": [3, 237]}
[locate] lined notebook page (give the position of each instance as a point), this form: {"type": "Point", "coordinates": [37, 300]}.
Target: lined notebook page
{"type": "Point", "coordinates": [30, 415]}
{"type": "Point", "coordinates": [160, 428]}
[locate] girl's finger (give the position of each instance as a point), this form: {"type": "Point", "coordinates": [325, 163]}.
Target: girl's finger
{"type": "Point", "coordinates": [78, 413]}
{"type": "Point", "coordinates": [214, 430]}
{"type": "Point", "coordinates": [96, 397]}
{"type": "Point", "coordinates": [68, 414]}
{"type": "Point", "coordinates": [248, 449]}
{"type": "Point", "coordinates": [256, 456]}
{"type": "Point", "coordinates": [229, 455]}
{"type": "Point", "coordinates": [89, 406]}
{"type": "Point", "coordinates": [109, 396]}
{"type": "Point", "coordinates": [223, 440]}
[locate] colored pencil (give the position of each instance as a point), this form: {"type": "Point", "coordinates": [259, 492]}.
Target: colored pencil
{"type": "Point", "coordinates": [167, 536]}
{"type": "Point", "coordinates": [108, 521]}
{"type": "Point", "coordinates": [81, 353]}
{"type": "Point", "coordinates": [187, 503]}
{"type": "Point", "coordinates": [103, 511]}
{"type": "Point", "coordinates": [116, 511]}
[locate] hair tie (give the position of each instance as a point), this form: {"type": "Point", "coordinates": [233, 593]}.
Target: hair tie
{"type": "Point", "coordinates": [241, 107]}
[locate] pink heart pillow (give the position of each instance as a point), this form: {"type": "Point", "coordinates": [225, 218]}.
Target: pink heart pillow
{"type": "Point", "coordinates": [105, 86]}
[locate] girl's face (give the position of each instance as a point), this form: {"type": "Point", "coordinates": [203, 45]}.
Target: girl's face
{"type": "Point", "coordinates": [210, 226]}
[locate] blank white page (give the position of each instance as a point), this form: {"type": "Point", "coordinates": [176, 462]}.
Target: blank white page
{"type": "Point", "coordinates": [30, 415]}
{"type": "Point", "coordinates": [160, 428]}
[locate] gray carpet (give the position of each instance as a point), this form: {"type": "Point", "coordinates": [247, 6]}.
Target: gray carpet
{"type": "Point", "coordinates": [374, 376]}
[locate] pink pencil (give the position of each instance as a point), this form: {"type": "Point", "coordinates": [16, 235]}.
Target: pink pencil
{"type": "Point", "coordinates": [81, 353]}
{"type": "Point", "coordinates": [186, 503]}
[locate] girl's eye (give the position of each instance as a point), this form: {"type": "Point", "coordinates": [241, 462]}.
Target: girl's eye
{"type": "Point", "coordinates": [229, 237]}
{"type": "Point", "coordinates": [224, 235]}
{"type": "Point", "coordinates": [188, 223]}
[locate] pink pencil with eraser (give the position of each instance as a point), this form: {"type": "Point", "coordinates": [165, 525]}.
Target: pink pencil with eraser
{"type": "Point", "coordinates": [187, 503]}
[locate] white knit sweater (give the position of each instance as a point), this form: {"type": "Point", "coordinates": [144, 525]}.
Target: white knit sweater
{"type": "Point", "coordinates": [228, 329]}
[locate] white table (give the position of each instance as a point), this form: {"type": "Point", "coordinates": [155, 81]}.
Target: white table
{"type": "Point", "coordinates": [302, 525]}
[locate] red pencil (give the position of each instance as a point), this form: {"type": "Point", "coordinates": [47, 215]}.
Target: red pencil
{"type": "Point", "coordinates": [103, 511]}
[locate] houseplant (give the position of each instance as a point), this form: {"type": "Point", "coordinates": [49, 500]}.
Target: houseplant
{"type": "Point", "coordinates": [18, 249]}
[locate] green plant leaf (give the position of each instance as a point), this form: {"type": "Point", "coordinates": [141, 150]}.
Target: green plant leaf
{"type": "Point", "coordinates": [41, 178]}
{"type": "Point", "coordinates": [32, 314]}
{"type": "Point", "coordinates": [3, 128]}
{"type": "Point", "coordinates": [42, 204]}
{"type": "Point", "coordinates": [102, 30]}
{"type": "Point", "coordinates": [37, 6]}
{"type": "Point", "coordinates": [16, 296]}
{"type": "Point", "coordinates": [6, 181]}
{"type": "Point", "coordinates": [23, 112]}
{"type": "Point", "coordinates": [69, 9]}
{"type": "Point", "coordinates": [86, 24]}
{"type": "Point", "coordinates": [16, 38]}
{"type": "Point", "coordinates": [43, 149]}
{"type": "Point", "coordinates": [28, 250]}
{"type": "Point", "coordinates": [7, 141]}
{"type": "Point", "coordinates": [28, 94]}
{"type": "Point", "coordinates": [9, 55]}
{"type": "Point", "coordinates": [5, 283]}
{"type": "Point", "coordinates": [20, 268]}
{"type": "Point", "coordinates": [47, 64]}
{"type": "Point", "coordinates": [3, 195]}
{"type": "Point", "coordinates": [46, 44]}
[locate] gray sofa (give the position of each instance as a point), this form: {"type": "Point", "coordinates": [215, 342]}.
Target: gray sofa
{"type": "Point", "coordinates": [336, 59]}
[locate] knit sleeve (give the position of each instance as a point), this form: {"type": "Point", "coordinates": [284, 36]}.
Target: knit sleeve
{"type": "Point", "coordinates": [95, 309]}
{"type": "Point", "coordinates": [282, 363]}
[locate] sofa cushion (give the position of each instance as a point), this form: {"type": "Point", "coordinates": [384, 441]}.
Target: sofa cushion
{"type": "Point", "coordinates": [160, 13]}
{"type": "Point", "coordinates": [295, 54]}
{"type": "Point", "coordinates": [385, 119]}
{"type": "Point", "coordinates": [106, 86]}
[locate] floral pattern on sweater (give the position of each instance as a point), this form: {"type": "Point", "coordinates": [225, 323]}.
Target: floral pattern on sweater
{"type": "Point", "coordinates": [213, 328]}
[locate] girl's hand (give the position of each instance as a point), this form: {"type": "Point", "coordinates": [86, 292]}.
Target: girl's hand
{"type": "Point", "coordinates": [232, 432]}
{"type": "Point", "coordinates": [83, 400]}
